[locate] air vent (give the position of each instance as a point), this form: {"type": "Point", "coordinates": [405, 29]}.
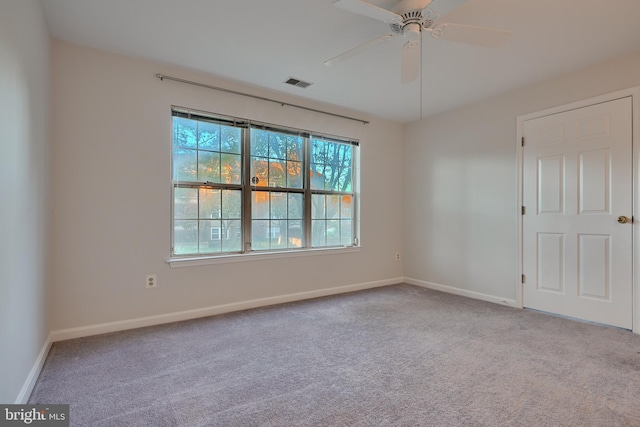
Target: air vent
{"type": "Point", "coordinates": [297, 82]}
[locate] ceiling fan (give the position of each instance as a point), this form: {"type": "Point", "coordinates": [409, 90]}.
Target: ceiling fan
{"type": "Point", "coordinates": [410, 18]}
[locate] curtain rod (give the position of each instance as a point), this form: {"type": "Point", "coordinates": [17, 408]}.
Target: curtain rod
{"type": "Point", "coordinates": [175, 79]}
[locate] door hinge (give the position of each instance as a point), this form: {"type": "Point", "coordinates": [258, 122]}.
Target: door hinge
{"type": "Point", "coordinates": [522, 142]}
{"type": "Point", "coordinates": [523, 210]}
{"type": "Point", "coordinates": [523, 280]}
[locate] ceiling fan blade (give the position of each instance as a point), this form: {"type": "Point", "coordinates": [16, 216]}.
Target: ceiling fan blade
{"type": "Point", "coordinates": [358, 49]}
{"type": "Point", "coordinates": [410, 61]}
{"type": "Point", "coordinates": [367, 9]}
{"type": "Point", "coordinates": [445, 6]}
{"type": "Point", "coordinates": [480, 36]}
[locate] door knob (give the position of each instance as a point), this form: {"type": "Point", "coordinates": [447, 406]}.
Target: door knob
{"type": "Point", "coordinates": [623, 219]}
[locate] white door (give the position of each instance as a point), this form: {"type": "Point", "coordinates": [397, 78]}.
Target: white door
{"type": "Point", "coordinates": [577, 182]}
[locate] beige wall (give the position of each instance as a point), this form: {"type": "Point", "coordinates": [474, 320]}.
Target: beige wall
{"type": "Point", "coordinates": [460, 178]}
{"type": "Point", "coordinates": [24, 117]}
{"type": "Point", "coordinates": [111, 194]}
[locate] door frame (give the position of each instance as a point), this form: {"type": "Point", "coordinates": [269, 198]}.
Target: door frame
{"type": "Point", "coordinates": [634, 93]}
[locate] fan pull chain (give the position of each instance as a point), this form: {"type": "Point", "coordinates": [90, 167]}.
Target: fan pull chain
{"type": "Point", "coordinates": [421, 71]}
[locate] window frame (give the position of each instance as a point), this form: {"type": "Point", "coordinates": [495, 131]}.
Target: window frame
{"type": "Point", "coordinates": [247, 189]}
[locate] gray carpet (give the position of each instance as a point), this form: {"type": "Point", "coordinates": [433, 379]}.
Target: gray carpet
{"type": "Point", "coordinates": [393, 356]}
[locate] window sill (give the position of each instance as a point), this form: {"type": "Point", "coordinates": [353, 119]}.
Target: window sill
{"type": "Point", "coordinates": [256, 256]}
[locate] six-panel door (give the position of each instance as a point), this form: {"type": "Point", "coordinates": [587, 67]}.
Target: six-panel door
{"type": "Point", "coordinates": [577, 181]}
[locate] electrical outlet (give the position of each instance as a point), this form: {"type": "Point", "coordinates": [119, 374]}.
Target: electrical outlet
{"type": "Point", "coordinates": [151, 281]}
{"type": "Point", "coordinates": [397, 256]}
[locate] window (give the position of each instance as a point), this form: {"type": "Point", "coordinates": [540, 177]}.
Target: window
{"type": "Point", "coordinates": [241, 186]}
{"type": "Point", "coordinates": [215, 233]}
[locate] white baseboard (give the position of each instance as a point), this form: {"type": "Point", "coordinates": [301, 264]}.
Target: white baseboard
{"type": "Point", "coordinates": [30, 382]}
{"type": "Point", "coordinates": [84, 331]}
{"type": "Point", "coordinates": [462, 292]}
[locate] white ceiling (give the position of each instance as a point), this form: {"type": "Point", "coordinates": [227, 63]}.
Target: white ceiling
{"type": "Point", "coordinates": [263, 42]}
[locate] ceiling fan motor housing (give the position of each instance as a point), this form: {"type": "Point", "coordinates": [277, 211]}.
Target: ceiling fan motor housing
{"type": "Point", "coordinates": [415, 16]}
